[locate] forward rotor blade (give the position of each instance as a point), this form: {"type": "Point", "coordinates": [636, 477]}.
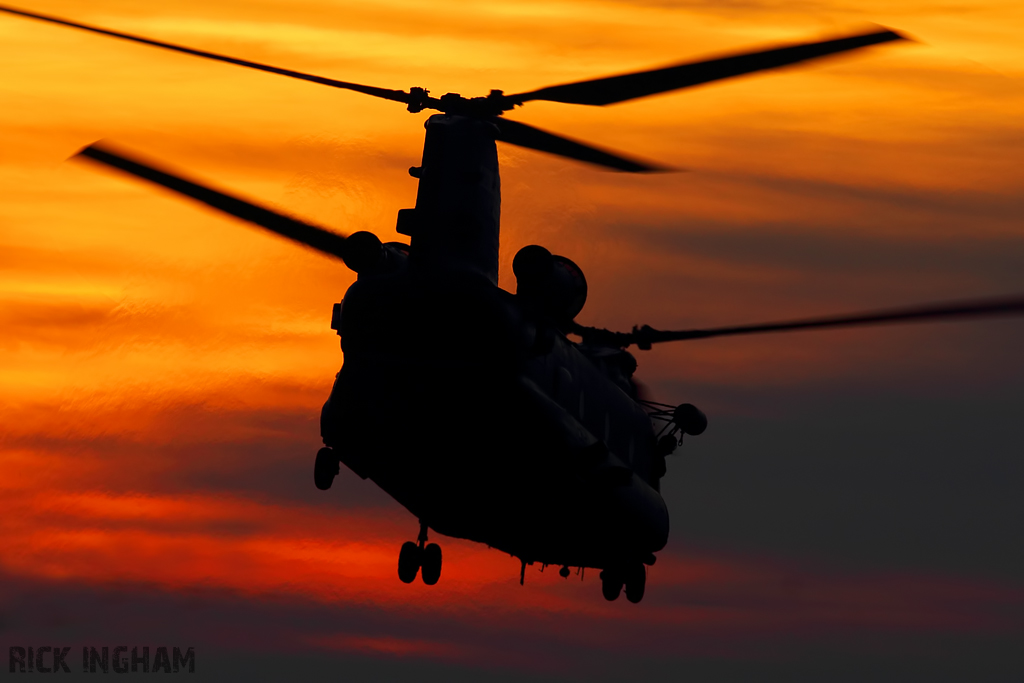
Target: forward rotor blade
{"type": "Point", "coordinates": [312, 236]}
{"type": "Point", "coordinates": [395, 95]}
{"type": "Point", "coordinates": [534, 138]}
{"type": "Point", "coordinates": [645, 336]}
{"type": "Point", "coordinates": [602, 91]}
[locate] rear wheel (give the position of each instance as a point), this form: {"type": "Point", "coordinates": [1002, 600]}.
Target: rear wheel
{"type": "Point", "coordinates": [409, 562]}
{"type": "Point", "coordinates": [611, 584]}
{"type": "Point", "coordinates": [431, 564]}
{"type": "Point", "coordinates": [636, 582]}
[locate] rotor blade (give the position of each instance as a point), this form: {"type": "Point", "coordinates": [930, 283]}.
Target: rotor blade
{"type": "Point", "coordinates": [312, 236]}
{"type": "Point", "coordinates": [645, 336]}
{"type": "Point", "coordinates": [534, 138]}
{"type": "Point", "coordinates": [395, 95]}
{"type": "Point", "coordinates": [602, 91]}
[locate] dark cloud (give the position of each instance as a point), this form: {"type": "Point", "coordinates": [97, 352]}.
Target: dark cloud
{"type": "Point", "coordinates": [824, 249]}
{"type": "Point", "coordinates": [266, 454]}
{"type": "Point", "coordinates": [886, 246]}
{"type": "Point", "coordinates": [885, 481]}
{"type": "Point", "coordinates": [48, 323]}
{"type": "Point", "coordinates": [263, 638]}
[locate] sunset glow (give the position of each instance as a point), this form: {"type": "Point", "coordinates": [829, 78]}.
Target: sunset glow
{"type": "Point", "coordinates": [162, 367]}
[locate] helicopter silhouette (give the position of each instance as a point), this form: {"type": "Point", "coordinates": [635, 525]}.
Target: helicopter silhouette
{"type": "Point", "coordinates": [470, 405]}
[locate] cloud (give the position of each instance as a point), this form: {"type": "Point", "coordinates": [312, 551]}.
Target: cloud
{"type": "Point", "coordinates": [765, 615]}
{"type": "Point", "coordinates": [849, 509]}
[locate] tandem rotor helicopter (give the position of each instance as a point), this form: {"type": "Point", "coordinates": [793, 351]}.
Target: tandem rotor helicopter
{"type": "Point", "coordinates": [551, 455]}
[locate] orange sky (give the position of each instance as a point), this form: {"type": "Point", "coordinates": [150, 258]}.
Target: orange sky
{"type": "Point", "coordinates": [162, 367]}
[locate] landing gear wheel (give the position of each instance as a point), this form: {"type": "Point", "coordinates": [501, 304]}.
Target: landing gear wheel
{"type": "Point", "coordinates": [431, 564]}
{"type": "Point", "coordinates": [636, 581]}
{"type": "Point", "coordinates": [409, 560]}
{"type": "Point", "coordinates": [326, 468]}
{"type": "Point", "coordinates": [611, 584]}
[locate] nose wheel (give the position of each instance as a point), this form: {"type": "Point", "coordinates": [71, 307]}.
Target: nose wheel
{"type": "Point", "coordinates": [420, 557]}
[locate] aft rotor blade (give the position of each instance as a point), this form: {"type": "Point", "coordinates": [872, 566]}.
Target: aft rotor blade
{"type": "Point", "coordinates": [645, 335]}
{"type": "Point", "coordinates": [395, 95]}
{"type": "Point", "coordinates": [312, 236]}
{"type": "Point", "coordinates": [534, 138]}
{"type": "Point", "coordinates": [602, 91]}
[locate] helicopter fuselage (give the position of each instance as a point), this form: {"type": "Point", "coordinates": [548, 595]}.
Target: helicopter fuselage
{"type": "Point", "coordinates": [472, 411]}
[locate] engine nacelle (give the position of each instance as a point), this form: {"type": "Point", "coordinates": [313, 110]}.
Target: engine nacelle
{"type": "Point", "coordinates": [552, 285]}
{"type": "Point", "coordinates": [365, 254]}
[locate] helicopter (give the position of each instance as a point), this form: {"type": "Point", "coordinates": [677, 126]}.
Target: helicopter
{"type": "Point", "coordinates": [470, 405]}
